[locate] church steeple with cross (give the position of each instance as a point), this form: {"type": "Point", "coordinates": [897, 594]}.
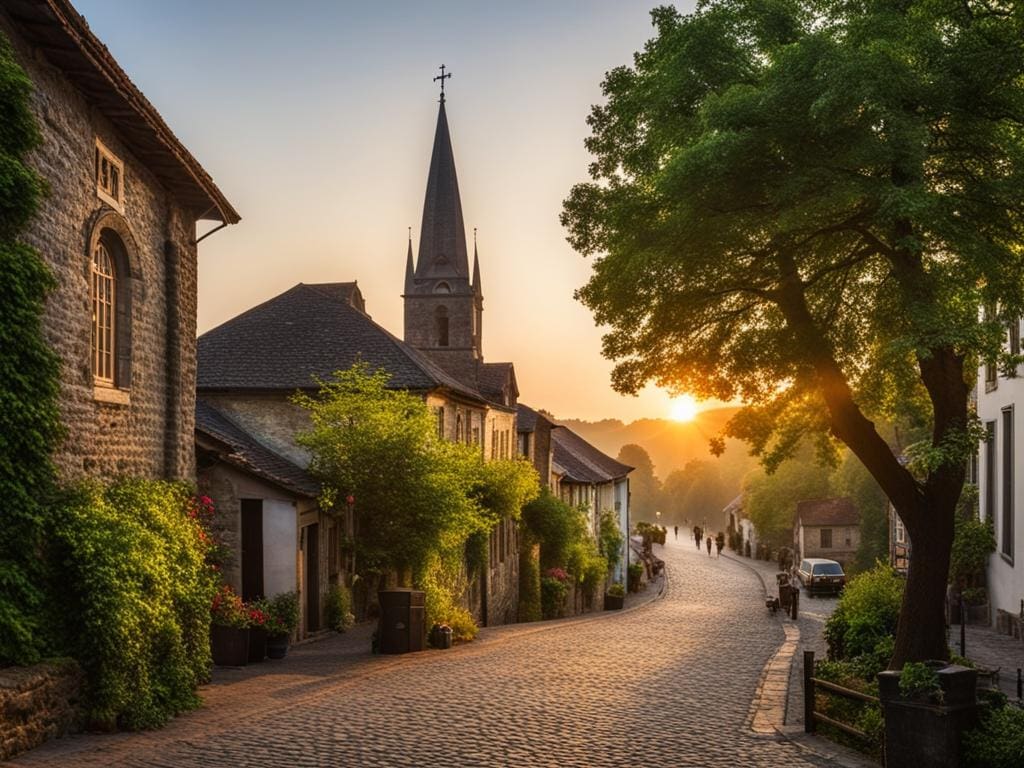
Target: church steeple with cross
{"type": "Point", "coordinates": [443, 307]}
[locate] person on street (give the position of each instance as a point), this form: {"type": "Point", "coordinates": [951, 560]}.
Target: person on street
{"type": "Point", "coordinates": [697, 535]}
{"type": "Point", "coordinates": [719, 543]}
{"type": "Point", "coordinates": [677, 532]}
{"type": "Point", "coordinates": [709, 546]}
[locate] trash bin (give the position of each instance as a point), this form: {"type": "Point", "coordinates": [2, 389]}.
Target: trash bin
{"type": "Point", "coordinates": [402, 621]}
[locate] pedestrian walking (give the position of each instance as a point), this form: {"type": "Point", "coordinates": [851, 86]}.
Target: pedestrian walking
{"type": "Point", "coordinates": [677, 532]}
{"type": "Point", "coordinates": [719, 543]}
{"type": "Point", "coordinates": [709, 546]}
{"type": "Point", "coordinates": [697, 536]}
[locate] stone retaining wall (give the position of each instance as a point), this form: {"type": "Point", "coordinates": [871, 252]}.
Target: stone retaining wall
{"type": "Point", "coordinates": [37, 703]}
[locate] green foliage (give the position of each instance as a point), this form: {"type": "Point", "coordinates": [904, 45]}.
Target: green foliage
{"type": "Point", "coordinates": [973, 541]}
{"type": "Point", "coordinates": [610, 539]}
{"type": "Point", "coordinates": [555, 525]}
{"type": "Point", "coordinates": [801, 206]}
{"type": "Point", "coordinates": [529, 578]}
{"type": "Point", "coordinates": [920, 682]}
{"type": "Point", "coordinates": [29, 420]}
{"type": "Point", "coordinates": [282, 614]}
{"type": "Point", "coordinates": [770, 499]}
{"type": "Point", "coordinates": [553, 590]}
{"type": "Point", "coordinates": [432, 510]}
{"type": "Point", "coordinates": [864, 716]}
{"type": "Point", "coordinates": [616, 590]}
{"type": "Point", "coordinates": [866, 614]}
{"type": "Point", "coordinates": [644, 488]}
{"type": "Point", "coordinates": [587, 564]}
{"type": "Point", "coordinates": [998, 742]}
{"type": "Point", "coordinates": [854, 481]}
{"type": "Point", "coordinates": [698, 492]}
{"type": "Point", "coordinates": [135, 596]}
{"type": "Point", "coordinates": [338, 610]}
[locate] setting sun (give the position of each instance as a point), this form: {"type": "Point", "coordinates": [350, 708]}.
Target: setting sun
{"type": "Point", "coordinates": [684, 408]}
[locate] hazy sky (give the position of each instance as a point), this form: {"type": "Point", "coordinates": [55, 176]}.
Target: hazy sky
{"type": "Point", "coordinates": [316, 120]}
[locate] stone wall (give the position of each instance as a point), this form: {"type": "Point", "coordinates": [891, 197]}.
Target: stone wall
{"type": "Point", "coordinates": [142, 427]}
{"type": "Point", "coordinates": [37, 703]}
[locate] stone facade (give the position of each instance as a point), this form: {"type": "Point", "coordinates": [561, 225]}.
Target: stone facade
{"type": "Point", "coordinates": [38, 703]}
{"type": "Point", "coordinates": [141, 423]}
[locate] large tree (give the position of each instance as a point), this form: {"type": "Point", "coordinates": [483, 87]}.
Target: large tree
{"type": "Point", "coordinates": [644, 486]}
{"type": "Point", "coordinates": [803, 205]}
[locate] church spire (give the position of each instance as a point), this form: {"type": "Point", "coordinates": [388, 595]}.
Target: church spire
{"type": "Point", "coordinates": [442, 252]}
{"type": "Point", "coordinates": [409, 271]}
{"type": "Point", "coordinates": [476, 268]}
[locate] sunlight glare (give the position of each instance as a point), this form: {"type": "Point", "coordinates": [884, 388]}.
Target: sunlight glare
{"type": "Point", "coordinates": [684, 408]}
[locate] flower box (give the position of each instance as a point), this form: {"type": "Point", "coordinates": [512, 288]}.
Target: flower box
{"type": "Point", "coordinates": [229, 646]}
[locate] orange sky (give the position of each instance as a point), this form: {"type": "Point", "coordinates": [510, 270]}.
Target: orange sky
{"type": "Point", "coordinates": [317, 124]}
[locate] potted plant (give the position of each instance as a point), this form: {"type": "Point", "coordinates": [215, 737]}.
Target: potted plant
{"type": "Point", "coordinates": [257, 630]}
{"type": "Point", "coordinates": [229, 629]}
{"type": "Point", "coordinates": [282, 619]}
{"type": "Point", "coordinates": [614, 597]}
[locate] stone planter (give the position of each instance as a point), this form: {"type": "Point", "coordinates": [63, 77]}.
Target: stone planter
{"type": "Point", "coordinates": [277, 647]}
{"type": "Point", "coordinates": [923, 734]}
{"type": "Point", "coordinates": [257, 644]}
{"type": "Point", "coordinates": [614, 602]}
{"type": "Point", "coordinates": [229, 646]}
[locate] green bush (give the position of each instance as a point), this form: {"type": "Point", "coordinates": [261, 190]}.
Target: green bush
{"type": "Point", "coordinates": [554, 586]}
{"type": "Point", "coordinates": [866, 613]}
{"type": "Point", "coordinates": [973, 542]}
{"type": "Point", "coordinates": [919, 681]}
{"type": "Point", "coordinates": [610, 538]}
{"type": "Point", "coordinates": [529, 578]}
{"type": "Point", "coordinates": [29, 420]}
{"type": "Point", "coordinates": [998, 742]}
{"type": "Point", "coordinates": [135, 599]}
{"type": "Point", "coordinates": [339, 608]}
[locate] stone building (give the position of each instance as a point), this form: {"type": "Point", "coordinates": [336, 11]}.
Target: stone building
{"type": "Point", "coordinates": [118, 231]}
{"type": "Point", "coordinates": [828, 528]}
{"type": "Point", "coordinates": [534, 441]}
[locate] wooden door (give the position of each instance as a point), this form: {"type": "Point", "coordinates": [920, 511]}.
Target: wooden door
{"type": "Point", "coordinates": [252, 549]}
{"type": "Point", "coordinates": [313, 577]}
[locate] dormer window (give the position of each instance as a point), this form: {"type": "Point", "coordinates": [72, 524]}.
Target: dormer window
{"type": "Point", "coordinates": [109, 177]}
{"type": "Point", "coordinates": [442, 287]}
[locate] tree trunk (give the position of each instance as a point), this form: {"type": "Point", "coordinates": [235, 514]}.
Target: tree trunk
{"type": "Point", "coordinates": [921, 633]}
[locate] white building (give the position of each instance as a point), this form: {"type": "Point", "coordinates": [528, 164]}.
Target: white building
{"type": "Point", "coordinates": [1001, 495]}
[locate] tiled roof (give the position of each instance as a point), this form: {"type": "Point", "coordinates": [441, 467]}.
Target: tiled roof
{"type": "Point", "coordinates": [583, 463]}
{"type": "Point", "coordinates": [527, 418]}
{"type": "Point", "coordinates": [309, 332]}
{"type": "Point", "coordinates": [346, 292]}
{"type": "Point", "coordinates": [736, 505]}
{"type": "Point", "coordinates": [828, 512]}
{"type": "Point", "coordinates": [248, 454]}
{"type": "Point", "coordinates": [492, 378]}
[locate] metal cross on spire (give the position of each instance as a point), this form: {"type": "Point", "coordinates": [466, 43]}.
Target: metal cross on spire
{"type": "Point", "coordinates": [442, 77]}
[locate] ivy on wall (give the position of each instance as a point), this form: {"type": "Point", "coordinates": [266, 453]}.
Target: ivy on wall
{"type": "Point", "coordinates": [29, 419]}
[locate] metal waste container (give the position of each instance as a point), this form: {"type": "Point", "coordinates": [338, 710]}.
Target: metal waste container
{"type": "Point", "coordinates": [402, 625]}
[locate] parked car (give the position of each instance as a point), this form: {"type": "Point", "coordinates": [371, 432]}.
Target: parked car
{"type": "Point", "coordinates": [821, 576]}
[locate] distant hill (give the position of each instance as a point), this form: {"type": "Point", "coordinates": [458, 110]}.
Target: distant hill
{"type": "Point", "coordinates": [670, 443]}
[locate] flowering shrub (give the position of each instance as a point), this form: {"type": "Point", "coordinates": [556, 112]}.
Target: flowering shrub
{"type": "Point", "coordinates": [228, 610]}
{"type": "Point", "coordinates": [557, 573]}
{"type": "Point", "coordinates": [282, 614]}
{"type": "Point", "coordinates": [135, 593]}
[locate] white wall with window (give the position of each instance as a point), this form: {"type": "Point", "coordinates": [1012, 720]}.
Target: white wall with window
{"type": "Point", "coordinates": [999, 476]}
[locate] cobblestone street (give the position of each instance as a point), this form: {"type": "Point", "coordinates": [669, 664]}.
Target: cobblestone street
{"type": "Point", "coordinates": [668, 683]}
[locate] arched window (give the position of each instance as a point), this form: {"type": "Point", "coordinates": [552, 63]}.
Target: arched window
{"type": "Point", "coordinates": [442, 287]}
{"type": "Point", "coordinates": [441, 318]}
{"type": "Point", "coordinates": [111, 273]}
{"type": "Point", "coordinates": [104, 312]}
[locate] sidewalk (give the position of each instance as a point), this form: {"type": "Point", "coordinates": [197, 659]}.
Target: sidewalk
{"type": "Point", "coordinates": [992, 650]}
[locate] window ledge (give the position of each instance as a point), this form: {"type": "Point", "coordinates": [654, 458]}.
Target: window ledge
{"type": "Point", "coordinates": [1007, 558]}
{"type": "Point", "coordinates": [111, 395]}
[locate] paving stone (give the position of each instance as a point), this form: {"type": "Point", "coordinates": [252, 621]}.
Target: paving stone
{"type": "Point", "coordinates": [667, 683]}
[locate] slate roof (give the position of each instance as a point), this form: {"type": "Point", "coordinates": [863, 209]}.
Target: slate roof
{"type": "Point", "coordinates": [56, 29]}
{"type": "Point", "coordinates": [828, 512]}
{"type": "Point", "coordinates": [492, 378]}
{"type": "Point", "coordinates": [581, 462]}
{"type": "Point", "coordinates": [308, 331]}
{"type": "Point", "coordinates": [526, 418]}
{"type": "Point", "coordinates": [248, 454]}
